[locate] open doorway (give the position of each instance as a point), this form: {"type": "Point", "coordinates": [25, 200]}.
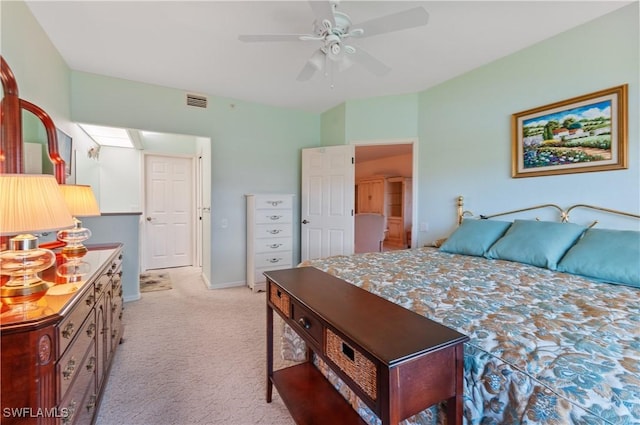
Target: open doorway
{"type": "Point", "coordinates": [117, 174]}
{"type": "Point", "coordinates": [384, 179]}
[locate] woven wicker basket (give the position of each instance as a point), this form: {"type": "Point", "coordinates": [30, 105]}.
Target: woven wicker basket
{"type": "Point", "coordinates": [280, 299]}
{"type": "Point", "coordinates": [352, 362]}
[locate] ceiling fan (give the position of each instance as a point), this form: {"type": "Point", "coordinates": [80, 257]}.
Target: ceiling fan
{"type": "Point", "coordinates": [333, 29]}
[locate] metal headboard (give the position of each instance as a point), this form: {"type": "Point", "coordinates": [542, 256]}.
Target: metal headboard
{"type": "Point", "coordinates": [564, 213]}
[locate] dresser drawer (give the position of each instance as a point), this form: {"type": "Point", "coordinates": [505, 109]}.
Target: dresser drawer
{"type": "Point", "coordinates": [116, 280]}
{"type": "Point", "coordinates": [116, 309]}
{"type": "Point", "coordinates": [115, 266]}
{"type": "Point", "coordinates": [274, 260]}
{"type": "Point", "coordinates": [352, 362]}
{"type": "Point", "coordinates": [116, 319]}
{"type": "Point", "coordinates": [80, 401]}
{"type": "Point", "coordinates": [273, 201]}
{"type": "Point", "coordinates": [280, 299]}
{"type": "Point", "coordinates": [102, 284]}
{"type": "Point", "coordinates": [69, 365]}
{"type": "Point", "coordinates": [273, 216]}
{"type": "Point", "coordinates": [306, 322]}
{"type": "Point", "coordinates": [69, 327]}
{"type": "Point", "coordinates": [273, 230]}
{"type": "Point", "coordinates": [273, 245]}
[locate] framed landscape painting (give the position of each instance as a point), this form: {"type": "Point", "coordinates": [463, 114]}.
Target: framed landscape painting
{"type": "Point", "coordinates": [582, 134]}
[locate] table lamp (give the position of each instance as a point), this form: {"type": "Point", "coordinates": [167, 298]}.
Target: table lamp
{"type": "Point", "coordinates": [29, 204]}
{"type": "Point", "coordinates": [81, 203]}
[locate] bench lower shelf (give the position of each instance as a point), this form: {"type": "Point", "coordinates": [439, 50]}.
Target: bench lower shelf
{"type": "Point", "coordinates": [310, 397]}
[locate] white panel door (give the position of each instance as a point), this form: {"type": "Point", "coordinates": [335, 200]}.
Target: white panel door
{"type": "Point", "coordinates": [169, 211]}
{"type": "Point", "coordinates": [328, 197]}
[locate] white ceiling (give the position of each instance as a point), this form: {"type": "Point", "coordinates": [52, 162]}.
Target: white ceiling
{"type": "Point", "coordinates": [193, 45]}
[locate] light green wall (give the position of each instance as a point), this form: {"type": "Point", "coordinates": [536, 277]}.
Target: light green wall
{"type": "Point", "coordinates": [179, 144]}
{"type": "Point", "coordinates": [465, 132]}
{"type": "Point", "coordinates": [376, 118]}
{"type": "Point", "coordinates": [255, 148]}
{"type": "Point", "coordinates": [382, 118]}
{"type": "Point", "coordinates": [333, 127]}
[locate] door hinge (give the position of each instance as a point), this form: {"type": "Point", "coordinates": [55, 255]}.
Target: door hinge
{"type": "Point", "coordinates": [353, 160]}
{"type": "Point", "coordinates": [351, 213]}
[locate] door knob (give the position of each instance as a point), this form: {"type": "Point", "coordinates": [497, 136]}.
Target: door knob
{"type": "Point", "coordinates": [305, 222]}
{"type": "Point", "coordinates": [149, 218]}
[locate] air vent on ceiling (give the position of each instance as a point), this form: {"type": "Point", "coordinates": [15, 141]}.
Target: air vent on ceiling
{"type": "Point", "coordinates": [197, 101]}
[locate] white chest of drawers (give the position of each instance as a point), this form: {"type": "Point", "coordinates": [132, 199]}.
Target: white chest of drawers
{"type": "Point", "coordinates": [269, 236]}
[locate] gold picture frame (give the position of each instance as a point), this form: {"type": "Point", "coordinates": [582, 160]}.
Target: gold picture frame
{"type": "Point", "coordinates": [583, 134]}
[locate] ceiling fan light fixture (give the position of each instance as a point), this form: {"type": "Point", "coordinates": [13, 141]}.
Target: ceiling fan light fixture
{"type": "Point", "coordinates": [317, 60]}
{"type": "Point", "coordinates": [331, 28]}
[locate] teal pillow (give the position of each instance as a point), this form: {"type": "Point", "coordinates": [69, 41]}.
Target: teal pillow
{"type": "Point", "coordinates": [539, 243]}
{"type": "Point", "coordinates": [608, 255]}
{"type": "Point", "coordinates": [474, 237]}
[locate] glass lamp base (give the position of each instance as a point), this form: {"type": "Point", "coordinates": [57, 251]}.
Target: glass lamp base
{"type": "Point", "coordinates": [22, 263]}
{"type": "Point", "coordinates": [74, 251]}
{"type": "Point", "coordinates": [18, 295]}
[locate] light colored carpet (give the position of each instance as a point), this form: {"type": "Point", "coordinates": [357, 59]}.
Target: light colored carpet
{"type": "Point", "coordinates": [192, 356]}
{"type": "Point", "coordinates": [155, 281]}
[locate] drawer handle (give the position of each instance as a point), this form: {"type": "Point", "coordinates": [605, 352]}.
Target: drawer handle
{"type": "Point", "coordinates": [67, 373]}
{"type": "Point", "coordinates": [120, 316]}
{"type": "Point", "coordinates": [278, 293]}
{"type": "Point", "coordinates": [68, 331]}
{"type": "Point", "coordinates": [113, 308]}
{"type": "Point", "coordinates": [91, 364]}
{"type": "Point", "coordinates": [274, 260]}
{"type": "Point", "coordinates": [90, 300]}
{"type": "Point", "coordinates": [275, 245]}
{"type": "Point", "coordinates": [304, 322]}
{"type": "Point", "coordinates": [275, 217]}
{"type": "Point", "coordinates": [274, 203]}
{"type": "Point", "coordinates": [109, 272]}
{"type": "Point", "coordinates": [348, 351]}
{"type": "Point", "coordinates": [91, 330]}
{"type": "Point", "coordinates": [71, 409]}
{"type": "Point", "coordinates": [92, 402]}
{"type": "Point", "coordinates": [274, 231]}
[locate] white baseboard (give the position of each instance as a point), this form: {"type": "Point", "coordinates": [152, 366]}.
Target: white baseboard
{"type": "Point", "coordinates": [132, 298]}
{"type": "Point", "coordinates": [226, 284]}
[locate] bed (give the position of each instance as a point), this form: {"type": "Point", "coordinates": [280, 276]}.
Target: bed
{"type": "Point", "coordinates": [553, 316]}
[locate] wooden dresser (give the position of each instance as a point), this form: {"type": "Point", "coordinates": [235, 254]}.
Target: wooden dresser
{"type": "Point", "coordinates": [396, 361]}
{"type": "Point", "coordinates": [56, 357]}
{"type": "Point", "coordinates": [269, 236]}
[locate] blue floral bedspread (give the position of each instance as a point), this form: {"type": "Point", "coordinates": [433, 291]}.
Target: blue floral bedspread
{"type": "Point", "coordinates": [545, 348]}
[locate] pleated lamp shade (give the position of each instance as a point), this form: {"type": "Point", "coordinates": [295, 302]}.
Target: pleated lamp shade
{"type": "Point", "coordinates": [80, 200]}
{"type": "Point", "coordinates": [32, 203]}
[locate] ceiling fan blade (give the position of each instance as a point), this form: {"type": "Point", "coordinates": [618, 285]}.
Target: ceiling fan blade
{"type": "Point", "coordinates": [251, 38]}
{"type": "Point", "coordinates": [372, 64]}
{"type": "Point", "coordinates": [410, 18]}
{"type": "Point", "coordinates": [315, 63]}
{"type": "Point", "coordinates": [323, 10]}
